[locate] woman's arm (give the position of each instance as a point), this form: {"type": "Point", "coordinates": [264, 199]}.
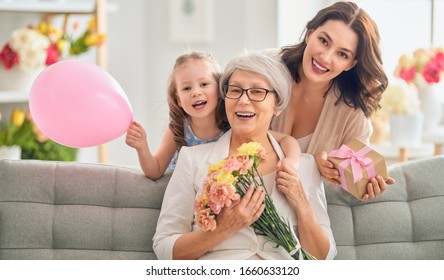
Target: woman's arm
{"type": "Point", "coordinates": [240, 214]}
{"type": "Point", "coordinates": [291, 149]}
{"type": "Point", "coordinates": [153, 166]}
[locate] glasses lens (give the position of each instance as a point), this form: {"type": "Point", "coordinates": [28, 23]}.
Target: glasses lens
{"type": "Point", "coordinates": [257, 94]}
{"type": "Point", "coordinates": [233, 91]}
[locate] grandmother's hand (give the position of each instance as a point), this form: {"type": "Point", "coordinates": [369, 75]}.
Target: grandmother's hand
{"type": "Point", "coordinates": [327, 169]}
{"type": "Point", "coordinates": [242, 213]}
{"type": "Point", "coordinates": [288, 183]}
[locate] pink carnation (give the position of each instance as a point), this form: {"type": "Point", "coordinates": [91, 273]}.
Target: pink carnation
{"type": "Point", "coordinates": [8, 56]}
{"type": "Point", "coordinates": [439, 58]}
{"type": "Point", "coordinates": [261, 153]}
{"type": "Point", "coordinates": [232, 164]}
{"type": "Point", "coordinates": [431, 72]}
{"type": "Point", "coordinates": [246, 163]}
{"type": "Point", "coordinates": [199, 205]}
{"type": "Point", "coordinates": [206, 220]}
{"type": "Point", "coordinates": [408, 74]}
{"type": "Point", "coordinates": [218, 196]}
{"type": "Point", "coordinates": [52, 55]}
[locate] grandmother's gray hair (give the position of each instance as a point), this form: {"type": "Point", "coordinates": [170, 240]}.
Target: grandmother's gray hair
{"type": "Point", "coordinates": [267, 64]}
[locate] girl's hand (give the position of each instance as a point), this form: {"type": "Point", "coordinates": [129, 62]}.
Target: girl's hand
{"type": "Point", "coordinates": [327, 169]}
{"type": "Point", "coordinates": [376, 186]}
{"type": "Point", "coordinates": [136, 136]}
{"type": "Point", "coordinates": [288, 163]}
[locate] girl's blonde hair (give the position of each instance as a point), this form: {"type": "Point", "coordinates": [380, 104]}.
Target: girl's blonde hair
{"type": "Point", "coordinates": [177, 114]}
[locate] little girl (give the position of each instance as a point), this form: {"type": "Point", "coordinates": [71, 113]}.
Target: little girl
{"type": "Point", "coordinates": [197, 116]}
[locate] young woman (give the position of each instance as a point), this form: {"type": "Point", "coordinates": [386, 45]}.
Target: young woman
{"type": "Point", "coordinates": [338, 81]}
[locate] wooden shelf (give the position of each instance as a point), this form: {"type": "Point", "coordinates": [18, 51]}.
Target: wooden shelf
{"type": "Point", "coordinates": [13, 97]}
{"type": "Point", "coordinates": [56, 7]}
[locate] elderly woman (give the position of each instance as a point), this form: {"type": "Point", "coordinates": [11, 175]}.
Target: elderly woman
{"type": "Point", "coordinates": [256, 87]}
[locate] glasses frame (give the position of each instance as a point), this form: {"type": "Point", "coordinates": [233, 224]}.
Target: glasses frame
{"type": "Point", "coordinates": [225, 90]}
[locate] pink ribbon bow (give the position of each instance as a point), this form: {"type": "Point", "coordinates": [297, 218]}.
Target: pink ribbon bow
{"type": "Point", "coordinates": [357, 160]}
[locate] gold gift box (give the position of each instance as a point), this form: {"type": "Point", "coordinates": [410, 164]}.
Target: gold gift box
{"type": "Point", "coordinates": [356, 154]}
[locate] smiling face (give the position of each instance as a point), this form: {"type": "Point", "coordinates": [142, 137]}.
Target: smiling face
{"type": "Point", "coordinates": [331, 49]}
{"type": "Point", "coordinates": [197, 89]}
{"type": "Point", "coordinates": [248, 119]}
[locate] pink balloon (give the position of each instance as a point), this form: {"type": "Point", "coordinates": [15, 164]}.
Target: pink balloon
{"type": "Point", "coordinates": [78, 104]}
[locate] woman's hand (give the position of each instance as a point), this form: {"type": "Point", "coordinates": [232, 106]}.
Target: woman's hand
{"type": "Point", "coordinates": [242, 213]}
{"type": "Point", "coordinates": [327, 169]}
{"type": "Point", "coordinates": [288, 183]}
{"type": "Point", "coordinates": [136, 136]}
{"type": "Point", "coordinates": [376, 186]}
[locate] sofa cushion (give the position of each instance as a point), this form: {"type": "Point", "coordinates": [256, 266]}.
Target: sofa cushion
{"type": "Point", "coordinates": [52, 210]}
{"type": "Point", "coordinates": [404, 223]}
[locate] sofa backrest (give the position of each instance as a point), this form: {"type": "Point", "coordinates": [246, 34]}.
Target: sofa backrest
{"type": "Point", "coordinates": [60, 210]}
{"type": "Point", "coordinates": [406, 222]}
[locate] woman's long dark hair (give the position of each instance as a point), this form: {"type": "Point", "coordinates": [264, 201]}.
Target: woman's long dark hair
{"type": "Point", "coordinates": [363, 85]}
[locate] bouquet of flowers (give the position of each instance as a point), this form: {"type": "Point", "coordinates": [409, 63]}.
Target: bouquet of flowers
{"type": "Point", "coordinates": [33, 47]}
{"type": "Point", "coordinates": [425, 63]}
{"type": "Point", "coordinates": [228, 180]}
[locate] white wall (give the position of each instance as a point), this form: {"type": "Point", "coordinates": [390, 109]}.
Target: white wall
{"type": "Point", "coordinates": [141, 55]}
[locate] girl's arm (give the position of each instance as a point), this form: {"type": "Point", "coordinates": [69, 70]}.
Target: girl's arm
{"type": "Point", "coordinates": [291, 149]}
{"type": "Point", "coordinates": [153, 166]}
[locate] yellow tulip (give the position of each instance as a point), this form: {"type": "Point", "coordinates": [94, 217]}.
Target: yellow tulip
{"type": "Point", "coordinates": [43, 27]}
{"type": "Point", "coordinates": [92, 25]}
{"type": "Point", "coordinates": [61, 45]}
{"type": "Point", "coordinates": [18, 117]}
{"type": "Point", "coordinates": [91, 39]}
{"type": "Point", "coordinates": [101, 39]}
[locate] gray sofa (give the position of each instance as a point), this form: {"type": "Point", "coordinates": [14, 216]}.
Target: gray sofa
{"type": "Point", "coordinates": [59, 210]}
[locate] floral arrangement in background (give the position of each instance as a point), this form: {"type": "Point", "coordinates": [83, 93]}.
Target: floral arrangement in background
{"type": "Point", "coordinates": [228, 180]}
{"type": "Point", "coordinates": [401, 98]}
{"type": "Point", "coordinates": [18, 130]}
{"type": "Point", "coordinates": [34, 47]}
{"type": "Point", "coordinates": [425, 63]}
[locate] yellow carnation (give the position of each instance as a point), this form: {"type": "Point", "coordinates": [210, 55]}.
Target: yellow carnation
{"type": "Point", "coordinates": [249, 149]}
{"type": "Point", "coordinates": [216, 166]}
{"type": "Point", "coordinates": [225, 177]}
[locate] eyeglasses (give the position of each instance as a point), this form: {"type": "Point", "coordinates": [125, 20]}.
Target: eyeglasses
{"type": "Point", "coordinates": [254, 94]}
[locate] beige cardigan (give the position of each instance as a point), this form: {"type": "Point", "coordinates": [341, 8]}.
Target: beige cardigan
{"type": "Point", "coordinates": [338, 124]}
